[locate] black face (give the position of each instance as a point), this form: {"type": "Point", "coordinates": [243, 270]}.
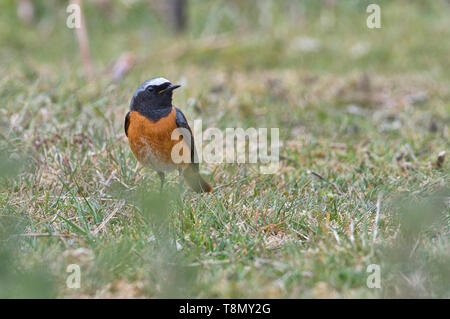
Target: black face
{"type": "Point", "coordinates": [154, 97]}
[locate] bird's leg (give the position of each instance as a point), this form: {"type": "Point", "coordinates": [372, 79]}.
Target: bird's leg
{"type": "Point", "coordinates": [180, 180]}
{"type": "Point", "coordinates": [161, 177]}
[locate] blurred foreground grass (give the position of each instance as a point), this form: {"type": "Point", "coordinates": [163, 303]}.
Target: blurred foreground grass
{"type": "Point", "coordinates": [367, 110]}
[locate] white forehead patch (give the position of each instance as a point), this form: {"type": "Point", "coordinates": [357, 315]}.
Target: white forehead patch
{"type": "Point", "coordinates": [157, 81]}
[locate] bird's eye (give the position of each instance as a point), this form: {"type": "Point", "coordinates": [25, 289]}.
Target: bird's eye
{"type": "Point", "coordinates": [150, 89]}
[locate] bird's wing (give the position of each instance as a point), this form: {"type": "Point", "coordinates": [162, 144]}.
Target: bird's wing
{"type": "Point", "coordinates": [127, 123]}
{"type": "Point", "coordinates": [182, 122]}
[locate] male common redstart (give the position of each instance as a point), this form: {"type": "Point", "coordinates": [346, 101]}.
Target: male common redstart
{"type": "Point", "coordinates": [149, 125]}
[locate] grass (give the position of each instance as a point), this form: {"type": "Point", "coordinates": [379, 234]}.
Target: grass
{"type": "Point", "coordinates": [362, 117]}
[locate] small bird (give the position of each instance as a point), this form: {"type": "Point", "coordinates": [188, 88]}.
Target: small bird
{"type": "Point", "coordinates": [149, 125]}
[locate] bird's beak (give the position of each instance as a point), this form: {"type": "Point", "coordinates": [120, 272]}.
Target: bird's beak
{"type": "Point", "coordinates": [170, 88]}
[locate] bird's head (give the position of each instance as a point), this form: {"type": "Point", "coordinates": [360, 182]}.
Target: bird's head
{"type": "Point", "coordinates": [155, 93]}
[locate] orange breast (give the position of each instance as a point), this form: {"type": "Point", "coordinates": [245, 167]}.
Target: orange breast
{"type": "Point", "coordinates": [151, 141]}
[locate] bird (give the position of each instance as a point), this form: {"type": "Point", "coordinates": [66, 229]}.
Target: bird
{"type": "Point", "coordinates": [149, 125]}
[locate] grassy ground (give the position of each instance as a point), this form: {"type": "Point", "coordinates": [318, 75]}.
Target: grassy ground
{"type": "Point", "coordinates": [363, 115]}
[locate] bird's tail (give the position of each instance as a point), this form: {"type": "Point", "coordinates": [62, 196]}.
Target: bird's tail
{"type": "Point", "coordinates": [196, 181]}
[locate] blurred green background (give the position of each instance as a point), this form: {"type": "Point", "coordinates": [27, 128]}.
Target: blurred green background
{"type": "Point", "coordinates": [236, 34]}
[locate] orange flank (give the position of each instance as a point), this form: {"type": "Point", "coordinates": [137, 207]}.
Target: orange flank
{"type": "Point", "coordinates": [151, 141]}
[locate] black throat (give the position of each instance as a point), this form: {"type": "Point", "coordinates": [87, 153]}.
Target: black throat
{"type": "Point", "coordinates": [154, 109]}
{"type": "Point", "coordinates": [153, 114]}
